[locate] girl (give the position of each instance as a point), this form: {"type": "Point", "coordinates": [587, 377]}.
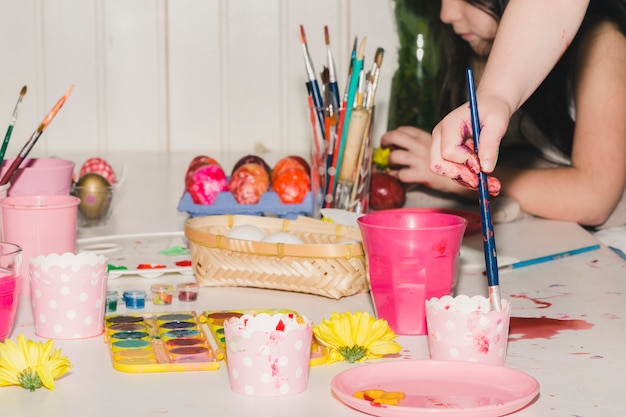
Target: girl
{"type": "Point", "coordinates": [563, 155]}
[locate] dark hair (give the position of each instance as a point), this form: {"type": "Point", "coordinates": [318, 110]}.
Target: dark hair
{"type": "Point", "coordinates": [549, 106]}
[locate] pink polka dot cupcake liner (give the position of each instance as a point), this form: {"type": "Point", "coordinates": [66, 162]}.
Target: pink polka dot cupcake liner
{"type": "Point", "coordinates": [466, 329]}
{"type": "Point", "coordinates": [268, 355]}
{"type": "Point", "coordinates": [68, 294]}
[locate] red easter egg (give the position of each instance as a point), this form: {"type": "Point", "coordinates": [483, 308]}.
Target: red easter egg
{"type": "Point", "coordinates": [98, 166]}
{"type": "Point", "coordinates": [291, 161]}
{"type": "Point", "coordinates": [248, 183]}
{"type": "Point", "coordinates": [292, 185]}
{"type": "Point", "coordinates": [206, 183]}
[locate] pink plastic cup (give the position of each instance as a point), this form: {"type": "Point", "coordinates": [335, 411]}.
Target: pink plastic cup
{"type": "Point", "coordinates": [466, 329]}
{"type": "Point", "coordinates": [40, 176]}
{"type": "Point", "coordinates": [40, 225]}
{"type": "Point", "coordinates": [412, 255]}
{"type": "Point", "coordinates": [268, 355]}
{"type": "Point", "coordinates": [68, 295]}
{"type": "Point", "coordinates": [10, 267]}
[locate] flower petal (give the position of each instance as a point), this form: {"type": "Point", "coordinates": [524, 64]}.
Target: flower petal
{"type": "Point", "coordinates": [44, 373]}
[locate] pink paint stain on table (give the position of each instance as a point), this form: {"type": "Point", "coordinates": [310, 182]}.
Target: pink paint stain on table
{"type": "Point", "coordinates": [542, 327]}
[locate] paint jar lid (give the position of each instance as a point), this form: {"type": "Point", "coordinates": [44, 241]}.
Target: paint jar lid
{"type": "Point", "coordinates": [137, 294]}
{"type": "Point", "coordinates": [162, 288]}
{"type": "Point", "coordinates": [188, 286]}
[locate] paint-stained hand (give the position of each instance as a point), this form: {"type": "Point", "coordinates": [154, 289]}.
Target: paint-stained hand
{"type": "Point", "coordinates": [452, 152]}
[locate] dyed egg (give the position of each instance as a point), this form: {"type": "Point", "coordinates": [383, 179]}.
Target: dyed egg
{"type": "Point", "coordinates": [292, 185]}
{"type": "Point", "coordinates": [197, 162]}
{"type": "Point", "coordinates": [98, 166]}
{"type": "Point", "coordinates": [248, 183]}
{"type": "Point", "coordinates": [292, 161]}
{"type": "Point", "coordinates": [283, 237]}
{"type": "Point", "coordinates": [206, 183]}
{"type": "Point", "coordinates": [246, 232]}
{"type": "Point", "coordinates": [252, 159]}
{"type": "Point", "coordinates": [95, 195]}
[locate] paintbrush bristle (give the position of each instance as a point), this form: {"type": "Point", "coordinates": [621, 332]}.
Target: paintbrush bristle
{"type": "Point", "coordinates": [302, 34]}
{"type": "Point", "coordinates": [361, 52]}
{"type": "Point", "coordinates": [378, 58]}
{"type": "Point", "coordinates": [326, 36]}
{"type": "Point", "coordinates": [23, 91]}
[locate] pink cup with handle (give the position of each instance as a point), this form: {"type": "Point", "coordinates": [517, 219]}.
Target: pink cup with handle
{"type": "Point", "coordinates": [40, 176]}
{"type": "Point", "coordinates": [412, 255]}
{"type": "Point", "coordinates": [41, 225]}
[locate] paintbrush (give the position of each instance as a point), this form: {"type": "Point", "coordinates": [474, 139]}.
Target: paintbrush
{"type": "Point", "coordinates": [313, 85]}
{"type": "Point", "coordinates": [30, 143]}
{"type": "Point", "coordinates": [364, 165]}
{"type": "Point", "coordinates": [350, 136]}
{"type": "Point", "coordinates": [332, 183]}
{"type": "Point", "coordinates": [7, 136]}
{"type": "Point", "coordinates": [332, 72]}
{"type": "Point", "coordinates": [489, 242]}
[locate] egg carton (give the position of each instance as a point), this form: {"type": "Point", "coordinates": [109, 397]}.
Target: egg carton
{"type": "Point", "coordinates": [268, 205]}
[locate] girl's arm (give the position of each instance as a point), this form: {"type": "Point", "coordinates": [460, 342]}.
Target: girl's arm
{"type": "Point", "coordinates": [589, 190]}
{"type": "Point", "coordinates": [532, 36]}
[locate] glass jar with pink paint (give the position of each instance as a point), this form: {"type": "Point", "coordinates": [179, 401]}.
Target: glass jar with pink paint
{"type": "Point", "coordinates": [10, 269]}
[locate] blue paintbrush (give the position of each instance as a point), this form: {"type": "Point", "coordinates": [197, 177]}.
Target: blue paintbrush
{"type": "Point", "coordinates": [489, 242]}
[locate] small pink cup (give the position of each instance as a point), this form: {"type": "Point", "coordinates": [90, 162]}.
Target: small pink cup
{"type": "Point", "coordinates": [412, 255]}
{"type": "Point", "coordinates": [68, 295]}
{"type": "Point", "coordinates": [466, 329]}
{"type": "Point", "coordinates": [268, 355]}
{"type": "Point", "coordinates": [40, 225]}
{"type": "Point", "coordinates": [40, 176]}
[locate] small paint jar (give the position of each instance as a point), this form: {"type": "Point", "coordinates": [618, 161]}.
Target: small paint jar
{"type": "Point", "coordinates": [162, 294]}
{"type": "Point", "coordinates": [188, 291]}
{"type": "Point", "coordinates": [111, 303]}
{"type": "Point", "coordinates": [135, 299]}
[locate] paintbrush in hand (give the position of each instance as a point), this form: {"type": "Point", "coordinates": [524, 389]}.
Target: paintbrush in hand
{"type": "Point", "coordinates": [30, 143]}
{"type": "Point", "coordinates": [7, 136]}
{"type": "Point", "coordinates": [489, 242]}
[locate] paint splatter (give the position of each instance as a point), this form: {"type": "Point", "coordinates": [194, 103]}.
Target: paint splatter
{"type": "Point", "coordinates": [542, 327]}
{"type": "Point", "coordinates": [536, 301]}
{"type": "Point", "coordinates": [175, 251]}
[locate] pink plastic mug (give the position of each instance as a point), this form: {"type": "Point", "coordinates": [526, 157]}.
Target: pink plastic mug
{"type": "Point", "coordinates": [412, 255]}
{"type": "Point", "coordinates": [41, 225]}
{"type": "Point", "coordinates": [40, 176]}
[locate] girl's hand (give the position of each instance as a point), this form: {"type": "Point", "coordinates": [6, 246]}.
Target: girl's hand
{"type": "Point", "coordinates": [452, 152]}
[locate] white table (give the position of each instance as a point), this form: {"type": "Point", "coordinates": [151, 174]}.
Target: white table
{"type": "Point", "coordinates": [574, 345]}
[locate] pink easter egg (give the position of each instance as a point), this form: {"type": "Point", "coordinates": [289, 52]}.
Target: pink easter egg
{"type": "Point", "coordinates": [206, 183]}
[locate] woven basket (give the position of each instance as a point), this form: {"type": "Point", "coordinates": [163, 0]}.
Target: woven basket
{"type": "Point", "coordinates": [323, 265]}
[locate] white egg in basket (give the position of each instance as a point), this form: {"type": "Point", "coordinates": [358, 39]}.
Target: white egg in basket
{"type": "Point", "coordinates": [283, 237]}
{"type": "Point", "coordinates": [246, 232]}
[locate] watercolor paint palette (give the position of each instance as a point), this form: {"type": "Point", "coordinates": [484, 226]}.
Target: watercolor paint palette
{"type": "Point", "coordinates": [215, 321]}
{"type": "Point", "coordinates": [160, 342]}
{"type": "Point", "coordinates": [148, 255]}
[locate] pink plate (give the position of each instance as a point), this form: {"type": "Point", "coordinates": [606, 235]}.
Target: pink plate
{"type": "Point", "coordinates": [438, 388]}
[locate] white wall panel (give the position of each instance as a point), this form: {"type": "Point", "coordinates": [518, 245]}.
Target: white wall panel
{"type": "Point", "coordinates": [206, 76]}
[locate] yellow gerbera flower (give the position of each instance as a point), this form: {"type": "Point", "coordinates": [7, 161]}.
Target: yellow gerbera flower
{"type": "Point", "coordinates": [31, 364]}
{"type": "Point", "coordinates": [356, 337]}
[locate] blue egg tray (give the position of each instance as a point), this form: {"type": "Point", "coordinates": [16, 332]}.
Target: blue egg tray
{"type": "Point", "coordinates": [268, 205]}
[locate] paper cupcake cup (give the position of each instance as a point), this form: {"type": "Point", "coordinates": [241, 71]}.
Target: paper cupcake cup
{"type": "Point", "coordinates": [268, 355]}
{"type": "Point", "coordinates": [68, 294]}
{"type": "Point", "coordinates": [466, 329]}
